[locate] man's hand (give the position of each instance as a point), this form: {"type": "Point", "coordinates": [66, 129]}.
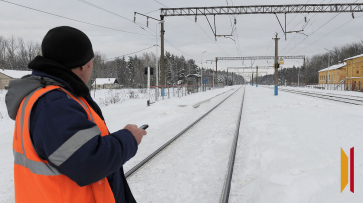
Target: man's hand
{"type": "Point", "coordinates": [136, 132]}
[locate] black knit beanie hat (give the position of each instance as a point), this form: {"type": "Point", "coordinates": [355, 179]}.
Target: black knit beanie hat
{"type": "Point", "coordinates": [67, 46]}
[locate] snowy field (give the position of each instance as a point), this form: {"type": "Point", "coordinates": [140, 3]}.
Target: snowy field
{"type": "Point", "coordinates": [289, 148]}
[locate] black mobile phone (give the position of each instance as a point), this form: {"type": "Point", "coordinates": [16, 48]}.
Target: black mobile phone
{"type": "Point", "coordinates": [144, 127]}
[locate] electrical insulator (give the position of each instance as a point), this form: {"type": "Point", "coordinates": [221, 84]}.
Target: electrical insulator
{"type": "Point", "coordinates": [235, 21]}
{"type": "Point", "coordinates": [195, 18]}
{"type": "Point", "coordinates": [305, 19]}
{"type": "Point", "coordinates": [134, 18]}
{"type": "Point", "coordinates": [353, 15]}
{"type": "Point", "coordinates": [147, 22]}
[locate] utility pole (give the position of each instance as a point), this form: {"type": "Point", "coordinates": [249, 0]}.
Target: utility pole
{"type": "Point", "coordinates": [216, 72]}
{"type": "Point", "coordinates": [298, 78]}
{"type": "Point", "coordinates": [201, 70]}
{"type": "Point", "coordinates": [306, 79]}
{"type": "Point", "coordinates": [256, 76]}
{"type": "Point", "coordinates": [328, 69]}
{"type": "Point", "coordinates": [162, 67]}
{"type": "Point", "coordinates": [157, 65]}
{"type": "Point", "coordinates": [276, 64]}
{"type": "Point", "coordinates": [252, 79]}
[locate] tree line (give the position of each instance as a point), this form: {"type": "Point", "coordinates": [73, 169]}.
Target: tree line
{"type": "Point", "coordinates": [129, 70]}
{"type": "Point", "coordinates": [314, 64]}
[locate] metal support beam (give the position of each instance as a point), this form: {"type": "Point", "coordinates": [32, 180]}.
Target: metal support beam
{"type": "Point", "coordinates": [263, 9]}
{"type": "Point", "coordinates": [276, 64]}
{"type": "Point", "coordinates": [162, 67]}
{"type": "Point", "coordinates": [258, 58]}
{"type": "Point", "coordinates": [216, 71]}
{"type": "Point", "coordinates": [249, 67]}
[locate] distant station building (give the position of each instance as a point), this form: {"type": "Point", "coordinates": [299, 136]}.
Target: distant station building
{"type": "Point", "coordinates": [354, 73]}
{"type": "Point", "coordinates": [7, 75]}
{"type": "Point", "coordinates": [106, 83]}
{"type": "Point", "coordinates": [333, 74]}
{"type": "Point", "coordinates": [193, 80]}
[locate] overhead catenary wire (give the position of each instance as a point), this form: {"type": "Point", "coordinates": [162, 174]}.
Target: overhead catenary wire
{"type": "Point", "coordinates": [130, 53]}
{"type": "Point", "coordinates": [316, 30]}
{"type": "Point", "coordinates": [234, 30]}
{"type": "Point", "coordinates": [198, 26]}
{"type": "Point", "coordinates": [328, 33]}
{"type": "Point", "coordinates": [72, 19]}
{"type": "Point", "coordinates": [304, 26]}
{"type": "Point", "coordinates": [100, 8]}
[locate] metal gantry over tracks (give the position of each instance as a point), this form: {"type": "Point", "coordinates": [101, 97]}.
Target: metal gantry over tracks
{"type": "Point", "coordinates": [253, 9]}
{"type": "Point", "coordinates": [263, 9]}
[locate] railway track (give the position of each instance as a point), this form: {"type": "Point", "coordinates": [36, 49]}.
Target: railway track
{"type": "Point", "coordinates": [224, 195]}
{"type": "Point", "coordinates": [333, 97]}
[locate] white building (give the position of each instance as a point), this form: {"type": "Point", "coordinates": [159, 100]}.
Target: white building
{"type": "Point", "coordinates": [105, 83]}
{"type": "Point", "coordinates": [7, 75]}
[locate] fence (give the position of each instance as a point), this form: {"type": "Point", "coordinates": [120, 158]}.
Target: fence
{"type": "Point", "coordinates": [336, 86]}
{"type": "Point", "coordinates": [172, 91]}
{"type": "Point", "coordinates": [105, 97]}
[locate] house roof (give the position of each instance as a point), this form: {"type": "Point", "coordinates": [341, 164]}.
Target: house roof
{"type": "Point", "coordinates": [104, 81]}
{"type": "Point", "coordinates": [15, 73]}
{"type": "Point", "coordinates": [354, 57]}
{"type": "Point", "coordinates": [194, 75]}
{"type": "Point", "coordinates": [334, 67]}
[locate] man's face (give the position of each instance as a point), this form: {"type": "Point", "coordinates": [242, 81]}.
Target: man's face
{"type": "Point", "coordinates": [88, 70]}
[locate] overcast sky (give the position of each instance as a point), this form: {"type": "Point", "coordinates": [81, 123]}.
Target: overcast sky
{"type": "Point", "coordinates": [253, 36]}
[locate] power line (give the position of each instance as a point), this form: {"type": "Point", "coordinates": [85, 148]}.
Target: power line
{"type": "Point", "coordinates": [230, 20]}
{"type": "Point", "coordinates": [328, 34]}
{"type": "Point", "coordinates": [131, 53]}
{"type": "Point", "coordinates": [198, 26]}
{"type": "Point", "coordinates": [75, 19]}
{"type": "Point", "coordinates": [152, 11]}
{"type": "Point", "coordinates": [303, 28]}
{"type": "Point", "coordinates": [98, 7]}
{"type": "Point", "coordinates": [315, 31]}
{"type": "Point", "coordinates": [95, 6]}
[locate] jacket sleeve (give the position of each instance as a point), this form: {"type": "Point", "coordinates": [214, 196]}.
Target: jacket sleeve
{"type": "Point", "coordinates": [63, 135]}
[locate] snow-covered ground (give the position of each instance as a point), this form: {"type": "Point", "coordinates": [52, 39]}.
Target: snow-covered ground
{"type": "Point", "coordinates": [289, 148]}
{"type": "Point", "coordinates": [193, 168]}
{"type": "Point", "coordinates": [165, 118]}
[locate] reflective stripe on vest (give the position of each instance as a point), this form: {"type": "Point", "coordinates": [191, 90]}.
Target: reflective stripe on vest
{"type": "Point", "coordinates": [35, 179]}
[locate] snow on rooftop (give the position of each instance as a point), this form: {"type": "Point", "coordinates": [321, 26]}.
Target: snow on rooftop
{"type": "Point", "coordinates": [104, 81]}
{"type": "Point", "coordinates": [354, 57]}
{"type": "Point", "coordinates": [333, 67]}
{"type": "Point", "coordinates": [15, 73]}
{"type": "Point", "coordinates": [194, 75]}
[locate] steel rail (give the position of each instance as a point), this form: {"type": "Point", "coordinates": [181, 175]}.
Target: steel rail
{"type": "Point", "coordinates": [227, 184]}
{"type": "Point", "coordinates": [345, 95]}
{"type": "Point", "coordinates": [143, 162]}
{"type": "Point", "coordinates": [323, 96]}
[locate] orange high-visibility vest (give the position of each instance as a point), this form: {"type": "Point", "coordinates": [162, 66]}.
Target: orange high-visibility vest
{"type": "Point", "coordinates": [35, 180]}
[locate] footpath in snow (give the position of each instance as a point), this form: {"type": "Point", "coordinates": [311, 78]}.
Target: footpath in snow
{"type": "Point", "coordinates": [289, 149]}
{"type": "Point", "coordinates": [166, 118]}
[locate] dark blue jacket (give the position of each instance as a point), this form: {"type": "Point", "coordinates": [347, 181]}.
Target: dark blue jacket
{"type": "Point", "coordinates": [55, 118]}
